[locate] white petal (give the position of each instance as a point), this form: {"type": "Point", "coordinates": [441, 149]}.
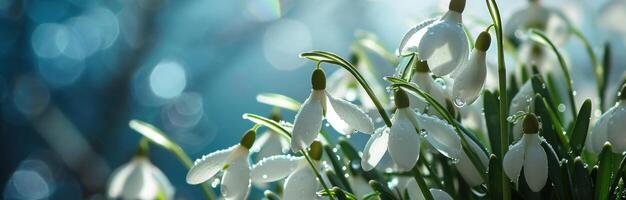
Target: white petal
{"type": "Point", "coordinates": [444, 45]}
{"type": "Point", "coordinates": [118, 179]}
{"type": "Point", "coordinates": [337, 83]}
{"type": "Point", "coordinates": [301, 184]}
{"type": "Point", "coordinates": [415, 193]}
{"type": "Point", "coordinates": [440, 194]}
{"type": "Point", "coordinates": [469, 84]}
{"type": "Point", "coordinates": [521, 102]}
{"type": "Point", "coordinates": [260, 142]}
{"type": "Point", "coordinates": [404, 141]}
{"type": "Point", "coordinates": [346, 117]}
{"type": "Point", "coordinates": [412, 37]}
{"type": "Point", "coordinates": [206, 167]}
{"type": "Point", "coordinates": [274, 168]}
{"type": "Point", "coordinates": [236, 180]}
{"type": "Point", "coordinates": [599, 132]}
{"type": "Point", "coordinates": [272, 146]}
{"type": "Point", "coordinates": [308, 121]}
{"type": "Point", "coordinates": [375, 149]}
{"type": "Point", "coordinates": [164, 184]}
{"type": "Point", "coordinates": [466, 168]}
{"type": "Point", "coordinates": [359, 185]}
{"type": "Point", "coordinates": [440, 135]}
{"type": "Point", "coordinates": [535, 165]}
{"type": "Point", "coordinates": [513, 161]}
{"type": "Point", "coordinates": [617, 128]}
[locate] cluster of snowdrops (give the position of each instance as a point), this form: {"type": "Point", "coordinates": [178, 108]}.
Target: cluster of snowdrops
{"type": "Point", "coordinates": [529, 148]}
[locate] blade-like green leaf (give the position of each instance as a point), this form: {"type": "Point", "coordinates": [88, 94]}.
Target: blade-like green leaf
{"type": "Point", "coordinates": [581, 180]}
{"type": "Point", "coordinates": [581, 126]}
{"type": "Point", "coordinates": [383, 192]}
{"type": "Point", "coordinates": [554, 172]}
{"type": "Point", "coordinates": [495, 178]}
{"type": "Point", "coordinates": [338, 166]}
{"type": "Point", "coordinates": [271, 124]}
{"type": "Point", "coordinates": [278, 100]}
{"type": "Point", "coordinates": [605, 173]}
{"type": "Point", "coordinates": [491, 118]}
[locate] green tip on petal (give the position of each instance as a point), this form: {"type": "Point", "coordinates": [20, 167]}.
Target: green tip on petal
{"type": "Point", "coordinates": [622, 93]}
{"type": "Point", "coordinates": [422, 66]}
{"type": "Point", "coordinates": [248, 139]}
{"type": "Point", "coordinates": [457, 5]}
{"type": "Point", "coordinates": [483, 41]}
{"type": "Point", "coordinates": [530, 124]}
{"type": "Point", "coordinates": [318, 79]}
{"type": "Point", "coordinates": [401, 99]}
{"type": "Point", "coordinates": [316, 150]}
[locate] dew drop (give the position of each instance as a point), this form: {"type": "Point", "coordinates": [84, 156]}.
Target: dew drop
{"type": "Point", "coordinates": [335, 150]}
{"type": "Point", "coordinates": [264, 176]}
{"type": "Point", "coordinates": [574, 93]}
{"type": "Point", "coordinates": [346, 175]}
{"type": "Point", "coordinates": [348, 136]}
{"type": "Point", "coordinates": [215, 182]}
{"type": "Point", "coordinates": [458, 102]}
{"type": "Point", "coordinates": [561, 107]}
{"type": "Point", "coordinates": [327, 124]}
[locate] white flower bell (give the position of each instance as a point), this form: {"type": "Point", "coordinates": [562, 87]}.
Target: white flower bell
{"type": "Point", "coordinates": [233, 161]}
{"type": "Point", "coordinates": [139, 179]}
{"type": "Point", "coordinates": [342, 115]}
{"type": "Point", "coordinates": [611, 127]}
{"type": "Point", "coordinates": [301, 182]}
{"type": "Point", "coordinates": [403, 138]}
{"type": "Point", "coordinates": [521, 103]}
{"type": "Point", "coordinates": [270, 143]}
{"type": "Point", "coordinates": [416, 194]}
{"type": "Point", "coordinates": [529, 154]}
{"type": "Point", "coordinates": [466, 168]}
{"type": "Point", "coordinates": [469, 82]}
{"type": "Point", "coordinates": [536, 16]}
{"type": "Point", "coordinates": [442, 42]}
{"type": "Point", "coordinates": [426, 83]}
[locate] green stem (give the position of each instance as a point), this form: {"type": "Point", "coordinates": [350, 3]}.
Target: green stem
{"type": "Point", "coordinates": [504, 109]}
{"type": "Point", "coordinates": [597, 66]}
{"type": "Point", "coordinates": [319, 177]}
{"type": "Point", "coordinates": [322, 56]}
{"type": "Point", "coordinates": [422, 184]}
{"type": "Point", "coordinates": [568, 78]}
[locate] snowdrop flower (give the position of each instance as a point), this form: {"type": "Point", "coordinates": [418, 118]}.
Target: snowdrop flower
{"type": "Point", "coordinates": [520, 103]}
{"type": "Point", "coordinates": [442, 42]}
{"type": "Point", "coordinates": [270, 143]}
{"type": "Point", "coordinates": [342, 84]}
{"type": "Point", "coordinates": [416, 194]}
{"type": "Point", "coordinates": [342, 115]}
{"type": "Point", "coordinates": [403, 139]}
{"type": "Point", "coordinates": [426, 83]}
{"type": "Point", "coordinates": [466, 168]}
{"type": "Point", "coordinates": [469, 82]}
{"type": "Point", "coordinates": [233, 161]}
{"type": "Point", "coordinates": [139, 179]}
{"type": "Point", "coordinates": [611, 127]}
{"type": "Point", "coordinates": [301, 182]}
{"type": "Point", "coordinates": [536, 16]}
{"type": "Point", "coordinates": [529, 154]}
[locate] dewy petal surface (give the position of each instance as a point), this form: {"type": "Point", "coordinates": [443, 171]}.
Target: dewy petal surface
{"type": "Point", "coordinates": [466, 168]}
{"type": "Point", "coordinates": [301, 184]}
{"type": "Point", "coordinates": [346, 117]}
{"type": "Point", "coordinates": [236, 180]}
{"type": "Point", "coordinates": [308, 121]}
{"type": "Point", "coordinates": [375, 149]}
{"type": "Point", "coordinates": [521, 102]}
{"type": "Point", "coordinates": [206, 167]}
{"type": "Point", "coordinates": [404, 141]}
{"type": "Point", "coordinates": [469, 84]}
{"type": "Point", "coordinates": [274, 168]}
{"type": "Point", "coordinates": [439, 134]}
{"type": "Point", "coordinates": [535, 164]}
{"type": "Point", "coordinates": [412, 38]}
{"type": "Point", "coordinates": [617, 128]}
{"type": "Point", "coordinates": [513, 161]}
{"type": "Point", "coordinates": [444, 44]}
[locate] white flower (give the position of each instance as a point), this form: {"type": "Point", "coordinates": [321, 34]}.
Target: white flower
{"type": "Point", "coordinates": [426, 83]}
{"type": "Point", "coordinates": [466, 168]}
{"type": "Point", "coordinates": [471, 78]}
{"type": "Point", "coordinates": [342, 84]}
{"type": "Point", "coordinates": [301, 182]}
{"type": "Point", "coordinates": [139, 179]}
{"type": "Point", "coordinates": [342, 115]}
{"type": "Point", "coordinates": [520, 103]}
{"type": "Point", "coordinates": [270, 143]}
{"type": "Point", "coordinates": [403, 140]}
{"type": "Point", "coordinates": [535, 15]}
{"type": "Point", "coordinates": [233, 161]}
{"type": "Point", "coordinates": [529, 154]}
{"type": "Point", "coordinates": [611, 127]}
{"type": "Point", "coordinates": [415, 193]}
{"type": "Point", "coordinates": [442, 42]}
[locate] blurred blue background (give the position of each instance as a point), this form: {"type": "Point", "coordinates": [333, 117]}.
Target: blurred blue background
{"type": "Point", "coordinates": [74, 72]}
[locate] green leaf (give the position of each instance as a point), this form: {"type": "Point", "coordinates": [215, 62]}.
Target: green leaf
{"type": "Point", "coordinates": [338, 166]}
{"type": "Point", "coordinates": [271, 124]}
{"type": "Point", "coordinates": [539, 86]}
{"type": "Point", "coordinates": [495, 178]}
{"type": "Point", "coordinates": [581, 180]}
{"type": "Point", "coordinates": [605, 173]}
{"type": "Point", "coordinates": [278, 100]}
{"type": "Point", "coordinates": [490, 104]}
{"type": "Point", "coordinates": [322, 56]}
{"type": "Point", "coordinates": [334, 179]}
{"type": "Point", "coordinates": [550, 129]}
{"type": "Point", "coordinates": [554, 172]}
{"type": "Point", "coordinates": [581, 127]}
{"type": "Point", "coordinates": [383, 192]}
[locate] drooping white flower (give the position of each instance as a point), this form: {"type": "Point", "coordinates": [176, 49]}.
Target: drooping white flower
{"type": "Point", "coordinates": [300, 182]}
{"type": "Point", "coordinates": [343, 85]}
{"type": "Point", "coordinates": [442, 42]}
{"type": "Point", "coordinates": [520, 103]}
{"type": "Point", "coordinates": [139, 179]}
{"type": "Point", "coordinates": [416, 194]}
{"type": "Point", "coordinates": [270, 143]}
{"type": "Point", "coordinates": [471, 78]}
{"type": "Point", "coordinates": [426, 83]}
{"type": "Point", "coordinates": [611, 127]}
{"type": "Point", "coordinates": [466, 168]}
{"type": "Point", "coordinates": [527, 153]}
{"type": "Point", "coordinates": [233, 161]}
{"type": "Point", "coordinates": [342, 115]}
{"type": "Point", "coordinates": [536, 16]}
{"type": "Point", "coordinates": [403, 138]}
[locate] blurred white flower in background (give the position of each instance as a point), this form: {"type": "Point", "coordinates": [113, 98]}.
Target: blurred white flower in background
{"type": "Point", "coordinates": [139, 179]}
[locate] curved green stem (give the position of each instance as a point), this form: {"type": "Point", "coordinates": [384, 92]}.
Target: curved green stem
{"type": "Point", "coordinates": [504, 108]}
{"type": "Point", "coordinates": [322, 56]}
{"type": "Point", "coordinates": [543, 39]}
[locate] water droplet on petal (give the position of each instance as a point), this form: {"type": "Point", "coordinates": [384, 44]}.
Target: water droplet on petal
{"type": "Point", "coordinates": [458, 102]}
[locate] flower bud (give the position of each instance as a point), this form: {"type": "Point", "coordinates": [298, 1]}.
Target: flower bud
{"type": "Point", "coordinates": [530, 124]}
{"type": "Point", "coordinates": [401, 98]}
{"type": "Point", "coordinates": [483, 41]}
{"type": "Point", "coordinates": [248, 139]}
{"type": "Point", "coordinates": [318, 79]}
{"type": "Point", "coordinates": [315, 150]}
